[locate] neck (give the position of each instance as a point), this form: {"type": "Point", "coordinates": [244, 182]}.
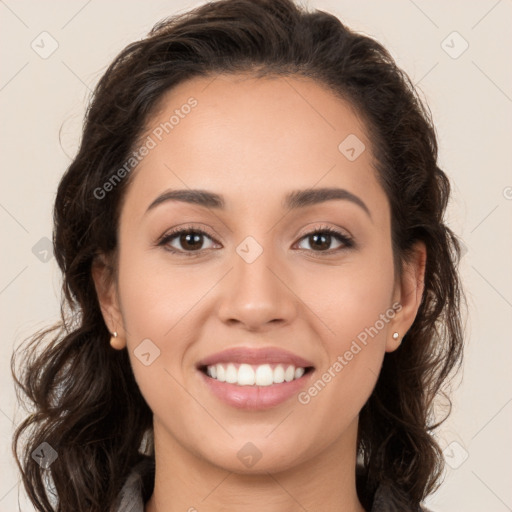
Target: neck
{"type": "Point", "coordinates": [186, 482]}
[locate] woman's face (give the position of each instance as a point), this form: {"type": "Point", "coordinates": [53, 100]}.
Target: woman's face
{"type": "Point", "coordinates": [259, 278]}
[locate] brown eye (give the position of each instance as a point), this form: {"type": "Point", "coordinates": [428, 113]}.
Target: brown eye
{"type": "Point", "coordinates": [185, 241]}
{"type": "Point", "coordinates": [321, 240]}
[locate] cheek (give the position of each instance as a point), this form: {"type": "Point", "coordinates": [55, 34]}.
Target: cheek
{"type": "Point", "coordinates": [155, 295]}
{"type": "Point", "coordinates": [155, 303]}
{"type": "Point", "coordinates": [354, 303]}
{"type": "Point", "coordinates": [348, 297]}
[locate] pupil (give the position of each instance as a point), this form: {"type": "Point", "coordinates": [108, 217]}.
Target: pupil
{"type": "Point", "coordinates": [324, 238]}
{"type": "Point", "coordinates": [191, 239]}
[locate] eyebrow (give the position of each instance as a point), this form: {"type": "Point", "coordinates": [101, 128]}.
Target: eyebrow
{"type": "Point", "coordinates": [293, 200]}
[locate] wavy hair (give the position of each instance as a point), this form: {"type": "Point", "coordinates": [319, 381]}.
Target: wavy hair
{"type": "Point", "coordinates": [82, 396]}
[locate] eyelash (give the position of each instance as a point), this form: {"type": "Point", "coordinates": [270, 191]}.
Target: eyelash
{"type": "Point", "coordinates": [165, 239]}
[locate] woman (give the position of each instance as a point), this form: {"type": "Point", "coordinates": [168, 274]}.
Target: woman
{"type": "Point", "coordinates": [262, 295]}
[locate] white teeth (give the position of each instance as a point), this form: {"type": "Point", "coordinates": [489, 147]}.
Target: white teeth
{"type": "Point", "coordinates": [278, 374]}
{"type": "Point", "coordinates": [250, 375]}
{"type": "Point", "coordinates": [289, 373]}
{"type": "Point", "coordinates": [264, 375]}
{"type": "Point", "coordinates": [246, 375]}
{"type": "Point", "coordinates": [212, 371]}
{"type": "Point", "coordinates": [231, 374]}
{"type": "Point", "coordinates": [221, 373]}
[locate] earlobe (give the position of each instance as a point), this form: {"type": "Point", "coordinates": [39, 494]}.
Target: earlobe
{"type": "Point", "coordinates": [409, 293]}
{"type": "Point", "coordinates": [106, 292]}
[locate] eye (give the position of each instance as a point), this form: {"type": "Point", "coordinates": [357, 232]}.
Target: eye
{"type": "Point", "coordinates": [322, 237]}
{"type": "Point", "coordinates": [190, 239]}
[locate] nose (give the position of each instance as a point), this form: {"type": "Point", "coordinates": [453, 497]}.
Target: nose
{"type": "Point", "coordinates": [257, 294]}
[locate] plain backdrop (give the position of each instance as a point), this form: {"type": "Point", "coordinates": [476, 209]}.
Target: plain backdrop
{"type": "Point", "coordinates": [458, 53]}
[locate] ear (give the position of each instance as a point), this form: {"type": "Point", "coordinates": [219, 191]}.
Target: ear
{"type": "Point", "coordinates": [408, 293]}
{"type": "Point", "coordinates": [103, 276]}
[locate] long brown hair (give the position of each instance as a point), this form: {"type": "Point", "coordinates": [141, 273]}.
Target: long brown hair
{"type": "Point", "coordinates": [82, 395]}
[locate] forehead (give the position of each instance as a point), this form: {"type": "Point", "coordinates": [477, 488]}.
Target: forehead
{"type": "Point", "coordinates": [253, 140]}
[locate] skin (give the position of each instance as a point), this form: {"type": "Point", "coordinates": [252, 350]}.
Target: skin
{"type": "Point", "coordinates": [253, 141]}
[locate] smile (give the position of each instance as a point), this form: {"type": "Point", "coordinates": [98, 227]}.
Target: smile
{"type": "Point", "coordinates": [254, 378]}
{"type": "Point", "coordinates": [254, 375]}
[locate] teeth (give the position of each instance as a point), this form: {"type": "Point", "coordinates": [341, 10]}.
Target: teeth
{"type": "Point", "coordinates": [250, 375]}
{"type": "Point", "coordinates": [278, 374]}
{"type": "Point", "coordinates": [221, 373]}
{"type": "Point", "coordinates": [245, 375]}
{"type": "Point", "coordinates": [299, 372]}
{"type": "Point", "coordinates": [231, 374]}
{"type": "Point", "coordinates": [264, 375]}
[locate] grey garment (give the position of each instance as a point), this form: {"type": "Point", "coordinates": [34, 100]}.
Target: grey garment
{"type": "Point", "coordinates": [131, 498]}
{"type": "Point", "coordinates": [385, 502]}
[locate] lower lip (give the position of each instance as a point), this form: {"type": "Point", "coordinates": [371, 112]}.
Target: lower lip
{"type": "Point", "coordinates": [255, 397]}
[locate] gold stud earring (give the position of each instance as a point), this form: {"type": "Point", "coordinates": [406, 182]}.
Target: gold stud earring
{"type": "Point", "coordinates": [113, 342]}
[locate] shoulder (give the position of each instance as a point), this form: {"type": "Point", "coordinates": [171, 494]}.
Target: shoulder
{"type": "Point", "coordinates": [137, 487]}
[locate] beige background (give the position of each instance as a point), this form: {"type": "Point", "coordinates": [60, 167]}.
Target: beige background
{"type": "Point", "coordinates": [471, 100]}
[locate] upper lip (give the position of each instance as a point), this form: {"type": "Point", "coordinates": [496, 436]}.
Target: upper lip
{"type": "Point", "coordinates": [255, 356]}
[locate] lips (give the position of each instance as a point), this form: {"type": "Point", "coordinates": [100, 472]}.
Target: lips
{"type": "Point", "coordinates": [269, 355]}
{"type": "Point", "coordinates": [290, 373]}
